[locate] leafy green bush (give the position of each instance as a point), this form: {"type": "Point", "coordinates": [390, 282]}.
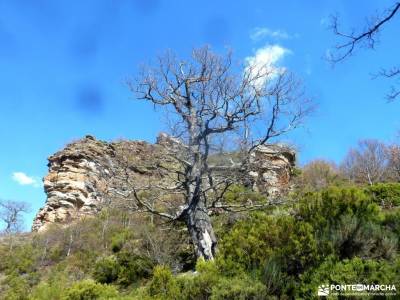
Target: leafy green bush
{"type": "Point", "coordinates": [240, 194]}
{"type": "Point", "coordinates": [106, 270]}
{"type": "Point", "coordinates": [240, 288]}
{"type": "Point", "coordinates": [336, 235]}
{"type": "Point", "coordinates": [207, 283]}
{"type": "Point", "coordinates": [17, 288]}
{"type": "Point", "coordinates": [119, 239]}
{"type": "Point", "coordinates": [80, 264]}
{"type": "Point", "coordinates": [21, 260]}
{"type": "Point", "coordinates": [253, 241]}
{"type": "Point", "coordinates": [163, 285]}
{"type": "Point", "coordinates": [346, 223]}
{"type": "Point", "coordinates": [249, 243]}
{"type": "Point", "coordinates": [125, 268]}
{"type": "Point", "coordinates": [326, 207]}
{"type": "Point", "coordinates": [90, 290]}
{"type": "Point", "coordinates": [355, 270]}
{"type": "Point", "coordinates": [200, 284]}
{"type": "Point", "coordinates": [133, 268]}
{"type": "Point", "coordinates": [53, 288]}
{"type": "Point", "coordinates": [47, 290]}
{"type": "Point", "coordinates": [385, 194]}
{"type": "Point", "coordinates": [392, 221]}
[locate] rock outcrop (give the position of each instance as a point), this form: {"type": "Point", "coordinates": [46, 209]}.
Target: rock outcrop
{"type": "Point", "coordinates": [271, 168]}
{"type": "Point", "coordinates": [76, 182]}
{"type": "Point", "coordinates": [82, 175]}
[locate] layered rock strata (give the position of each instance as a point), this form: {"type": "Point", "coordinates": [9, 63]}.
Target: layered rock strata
{"type": "Point", "coordinates": [85, 174]}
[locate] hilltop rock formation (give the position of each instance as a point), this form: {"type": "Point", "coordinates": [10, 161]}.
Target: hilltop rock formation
{"type": "Point", "coordinates": [85, 174]}
{"type": "Point", "coordinates": [76, 182]}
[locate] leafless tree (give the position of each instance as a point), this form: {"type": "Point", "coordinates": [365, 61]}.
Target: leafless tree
{"type": "Point", "coordinates": [367, 37]}
{"type": "Point", "coordinates": [318, 174]}
{"type": "Point", "coordinates": [393, 154]}
{"type": "Point", "coordinates": [367, 163]}
{"type": "Point", "coordinates": [11, 214]}
{"type": "Point", "coordinates": [207, 97]}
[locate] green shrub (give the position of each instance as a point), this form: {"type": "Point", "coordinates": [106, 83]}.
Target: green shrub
{"type": "Point", "coordinates": [53, 288]}
{"type": "Point", "coordinates": [240, 194]}
{"type": "Point", "coordinates": [17, 288]}
{"type": "Point", "coordinates": [392, 221]}
{"type": "Point", "coordinates": [118, 240]}
{"type": "Point", "coordinates": [81, 263]}
{"type": "Point", "coordinates": [385, 194]}
{"type": "Point", "coordinates": [200, 285]}
{"type": "Point", "coordinates": [299, 249]}
{"type": "Point", "coordinates": [208, 282]}
{"type": "Point", "coordinates": [163, 285]}
{"type": "Point", "coordinates": [133, 268]}
{"type": "Point", "coordinates": [326, 207]}
{"type": "Point", "coordinates": [90, 290]}
{"type": "Point", "coordinates": [106, 270]}
{"type": "Point", "coordinates": [238, 288]}
{"type": "Point", "coordinates": [347, 271]}
{"type": "Point", "coordinates": [249, 243]}
{"type": "Point", "coordinates": [46, 290]}
{"type": "Point", "coordinates": [346, 222]}
{"type": "Point", "coordinates": [22, 260]}
{"type": "Point", "coordinates": [252, 242]}
{"type": "Point", "coordinates": [125, 268]}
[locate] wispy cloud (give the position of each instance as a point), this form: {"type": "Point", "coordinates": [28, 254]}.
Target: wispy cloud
{"type": "Point", "coordinates": [259, 33]}
{"type": "Point", "coordinates": [23, 179]}
{"type": "Point", "coordinates": [265, 60]}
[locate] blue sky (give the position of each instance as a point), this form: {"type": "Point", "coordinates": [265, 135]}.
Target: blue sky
{"type": "Point", "coordinates": [63, 65]}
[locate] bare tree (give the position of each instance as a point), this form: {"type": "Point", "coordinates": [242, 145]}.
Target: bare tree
{"type": "Point", "coordinates": [11, 214]}
{"type": "Point", "coordinates": [208, 97]}
{"type": "Point", "coordinates": [393, 154]}
{"type": "Point", "coordinates": [367, 37]}
{"type": "Point", "coordinates": [367, 163]}
{"type": "Point", "coordinates": [319, 174]}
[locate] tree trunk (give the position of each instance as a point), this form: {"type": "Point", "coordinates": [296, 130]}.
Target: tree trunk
{"type": "Point", "coordinates": [201, 232]}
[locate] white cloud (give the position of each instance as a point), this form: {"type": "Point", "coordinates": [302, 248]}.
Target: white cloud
{"type": "Point", "coordinates": [259, 33]}
{"type": "Point", "coordinates": [265, 61]}
{"type": "Point", "coordinates": [23, 179]}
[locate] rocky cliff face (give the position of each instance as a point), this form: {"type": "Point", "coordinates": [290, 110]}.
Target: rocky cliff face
{"type": "Point", "coordinates": [76, 182]}
{"type": "Point", "coordinates": [82, 175]}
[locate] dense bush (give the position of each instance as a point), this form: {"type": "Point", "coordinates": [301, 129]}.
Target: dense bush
{"type": "Point", "coordinates": [106, 270]}
{"type": "Point", "coordinates": [336, 235]}
{"type": "Point", "coordinates": [206, 283]}
{"type": "Point", "coordinates": [255, 240]}
{"type": "Point", "coordinates": [354, 270]}
{"type": "Point", "coordinates": [126, 268]}
{"type": "Point", "coordinates": [90, 290]}
{"type": "Point", "coordinates": [240, 194]}
{"type": "Point", "coordinates": [347, 223]}
{"type": "Point", "coordinates": [133, 268]}
{"type": "Point", "coordinates": [54, 288]}
{"type": "Point", "coordinates": [240, 288]}
{"type": "Point", "coordinates": [385, 194]}
{"type": "Point", "coordinates": [163, 285]}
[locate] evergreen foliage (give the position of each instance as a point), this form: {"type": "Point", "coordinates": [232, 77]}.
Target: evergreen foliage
{"type": "Point", "coordinates": [337, 235]}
